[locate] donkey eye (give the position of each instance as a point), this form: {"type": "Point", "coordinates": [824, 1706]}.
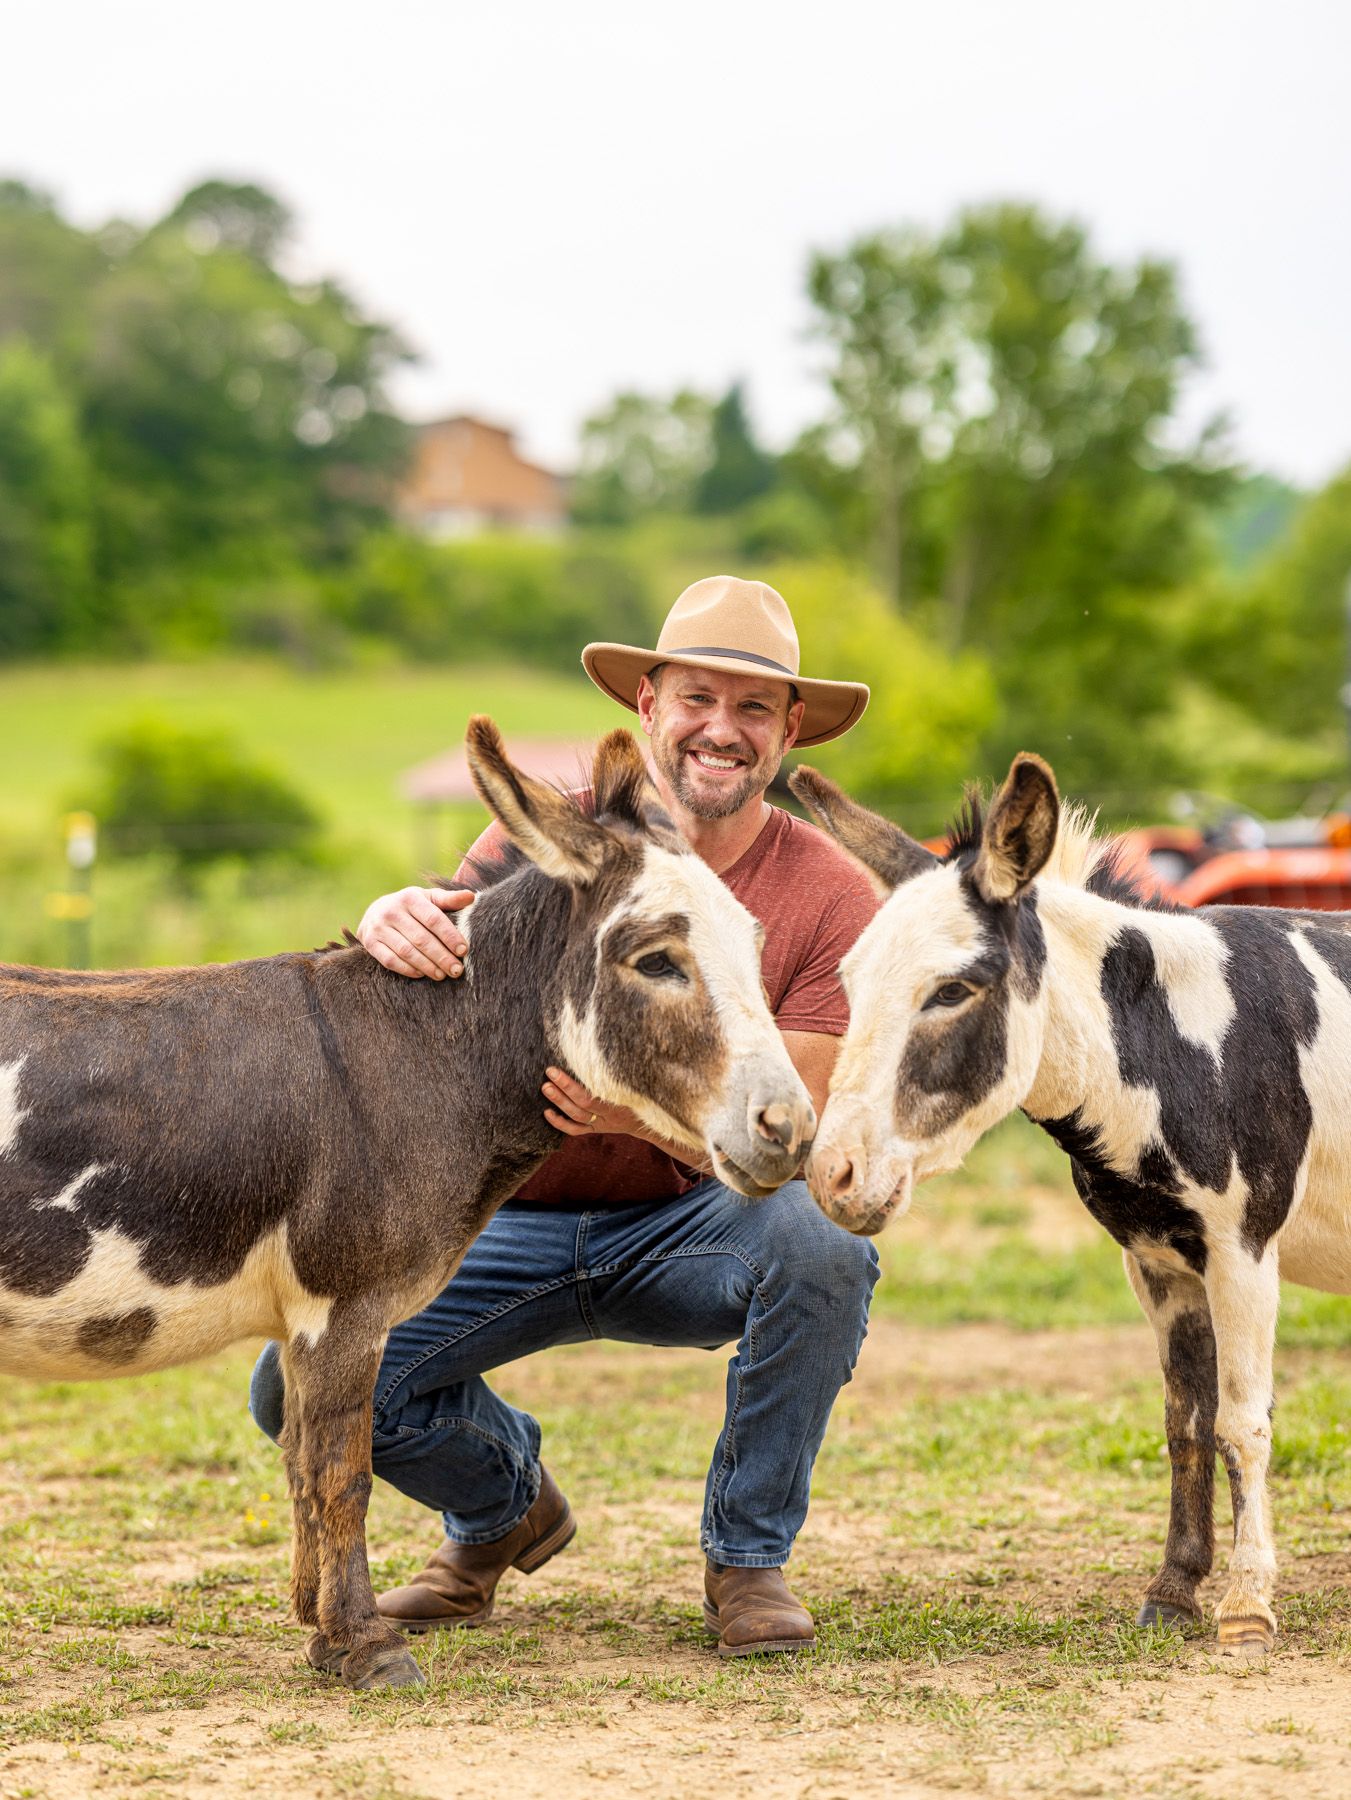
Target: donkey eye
{"type": "Point", "coordinates": [657, 965]}
{"type": "Point", "coordinates": [952, 993]}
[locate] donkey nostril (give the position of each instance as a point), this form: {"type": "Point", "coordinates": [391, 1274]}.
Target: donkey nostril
{"type": "Point", "coordinates": [776, 1124]}
{"type": "Point", "coordinates": [840, 1178]}
{"type": "Point", "coordinates": [840, 1174]}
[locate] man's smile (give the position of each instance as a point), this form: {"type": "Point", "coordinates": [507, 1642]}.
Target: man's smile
{"type": "Point", "coordinates": [717, 761]}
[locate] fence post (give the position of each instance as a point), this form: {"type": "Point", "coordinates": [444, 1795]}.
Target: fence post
{"type": "Point", "coordinates": [81, 851]}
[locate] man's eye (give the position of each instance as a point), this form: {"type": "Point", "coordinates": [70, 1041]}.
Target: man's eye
{"type": "Point", "coordinates": [657, 964]}
{"type": "Point", "coordinates": [952, 993]}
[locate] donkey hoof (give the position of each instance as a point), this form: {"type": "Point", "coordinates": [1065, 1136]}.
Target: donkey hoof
{"type": "Point", "coordinates": [1249, 1639]}
{"type": "Point", "coordinates": [327, 1657]}
{"type": "Point", "coordinates": [1162, 1615]}
{"type": "Point", "coordinates": [382, 1665]}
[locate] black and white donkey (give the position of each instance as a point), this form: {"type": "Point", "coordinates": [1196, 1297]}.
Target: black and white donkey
{"type": "Point", "coordinates": [1195, 1066]}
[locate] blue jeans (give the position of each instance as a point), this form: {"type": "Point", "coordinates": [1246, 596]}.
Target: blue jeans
{"type": "Point", "coordinates": [775, 1276]}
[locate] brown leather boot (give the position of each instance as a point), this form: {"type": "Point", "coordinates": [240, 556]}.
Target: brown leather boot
{"type": "Point", "coordinates": [457, 1585]}
{"type": "Point", "coordinates": [753, 1612]}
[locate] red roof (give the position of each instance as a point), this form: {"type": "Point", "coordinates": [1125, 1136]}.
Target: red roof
{"type": "Point", "coordinates": [564, 761]}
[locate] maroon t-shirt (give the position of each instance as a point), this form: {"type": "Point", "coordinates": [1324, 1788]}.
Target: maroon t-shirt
{"type": "Point", "coordinates": [813, 902]}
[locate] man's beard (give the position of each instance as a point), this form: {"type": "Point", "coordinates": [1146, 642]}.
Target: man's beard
{"type": "Point", "coordinates": [721, 805]}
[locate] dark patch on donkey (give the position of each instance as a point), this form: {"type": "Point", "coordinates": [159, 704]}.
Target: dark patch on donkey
{"type": "Point", "coordinates": [1151, 1053]}
{"type": "Point", "coordinates": [1250, 1108]}
{"type": "Point", "coordinates": [964, 1061]}
{"type": "Point", "coordinates": [161, 1168]}
{"type": "Point", "coordinates": [116, 1338]}
{"type": "Point", "coordinates": [1191, 1396]}
{"type": "Point", "coordinates": [1269, 1113]}
{"type": "Point", "coordinates": [1145, 1206]}
{"type": "Point", "coordinates": [42, 1248]}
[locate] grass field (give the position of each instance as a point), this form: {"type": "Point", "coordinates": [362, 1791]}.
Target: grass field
{"type": "Point", "coordinates": [342, 738]}
{"type": "Point", "coordinates": [990, 1502]}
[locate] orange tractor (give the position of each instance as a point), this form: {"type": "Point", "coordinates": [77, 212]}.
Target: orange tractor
{"type": "Point", "coordinates": [1245, 861]}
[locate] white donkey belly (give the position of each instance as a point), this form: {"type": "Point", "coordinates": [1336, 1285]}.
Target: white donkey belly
{"type": "Point", "coordinates": [1315, 1245]}
{"type": "Point", "coordinates": [113, 1319]}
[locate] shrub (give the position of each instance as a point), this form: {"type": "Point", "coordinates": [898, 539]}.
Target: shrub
{"type": "Point", "coordinates": [196, 797]}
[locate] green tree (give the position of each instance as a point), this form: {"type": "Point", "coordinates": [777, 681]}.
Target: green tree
{"type": "Point", "coordinates": [232, 422]}
{"type": "Point", "coordinates": [1006, 401]}
{"type": "Point", "coordinates": [532, 598]}
{"type": "Point", "coordinates": [738, 471]}
{"type": "Point", "coordinates": [884, 313]}
{"type": "Point", "coordinates": [232, 414]}
{"type": "Point", "coordinates": [1278, 640]}
{"type": "Point", "coordinates": [47, 271]}
{"type": "Point", "coordinates": [46, 539]}
{"type": "Point", "coordinates": [643, 454]}
{"type": "Point", "coordinates": [235, 214]}
{"type": "Point", "coordinates": [983, 377]}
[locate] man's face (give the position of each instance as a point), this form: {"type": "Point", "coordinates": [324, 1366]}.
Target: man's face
{"type": "Point", "coordinates": [718, 739]}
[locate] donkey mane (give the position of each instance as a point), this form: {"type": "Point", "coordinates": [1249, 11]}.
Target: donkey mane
{"type": "Point", "coordinates": [1083, 859]}
{"type": "Point", "coordinates": [966, 829]}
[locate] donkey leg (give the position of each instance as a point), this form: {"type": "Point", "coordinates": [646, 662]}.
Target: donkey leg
{"type": "Point", "coordinates": [1175, 1305]}
{"type": "Point", "coordinates": [304, 1523]}
{"type": "Point", "coordinates": [1244, 1296]}
{"type": "Point", "coordinates": [333, 1384]}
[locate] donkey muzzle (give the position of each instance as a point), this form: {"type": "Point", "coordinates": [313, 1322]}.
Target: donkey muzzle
{"type": "Point", "coordinates": [838, 1176]}
{"type": "Point", "coordinates": [760, 1150]}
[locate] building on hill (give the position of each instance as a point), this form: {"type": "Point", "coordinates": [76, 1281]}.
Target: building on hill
{"type": "Point", "coordinates": [467, 476]}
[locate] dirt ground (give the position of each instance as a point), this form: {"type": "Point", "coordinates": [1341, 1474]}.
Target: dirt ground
{"type": "Point", "coordinates": [594, 1678]}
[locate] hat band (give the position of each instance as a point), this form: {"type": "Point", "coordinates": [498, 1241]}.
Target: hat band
{"type": "Point", "coordinates": [765, 662]}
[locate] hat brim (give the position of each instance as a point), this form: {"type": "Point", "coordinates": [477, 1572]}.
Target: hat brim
{"type": "Point", "coordinates": [831, 707]}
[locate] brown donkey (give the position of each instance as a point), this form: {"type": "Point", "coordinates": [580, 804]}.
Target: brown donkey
{"type": "Point", "coordinates": [304, 1147]}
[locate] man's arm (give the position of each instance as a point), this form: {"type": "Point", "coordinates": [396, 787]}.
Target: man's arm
{"type": "Point", "coordinates": [813, 1054]}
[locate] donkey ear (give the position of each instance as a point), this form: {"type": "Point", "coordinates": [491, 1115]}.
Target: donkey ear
{"type": "Point", "coordinates": [1020, 831]}
{"type": "Point", "coordinates": [619, 778]}
{"type": "Point", "coordinates": [543, 823]}
{"type": "Point", "coordinates": [885, 851]}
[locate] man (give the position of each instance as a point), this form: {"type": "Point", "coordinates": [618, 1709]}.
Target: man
{"type": "Point", "coordinates": [616, 1235]}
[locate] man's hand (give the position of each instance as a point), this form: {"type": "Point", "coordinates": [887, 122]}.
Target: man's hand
{"type": "Point", "coordinates": [410, 933]}
{"type": "Point", "coordinates": [577, 1113]}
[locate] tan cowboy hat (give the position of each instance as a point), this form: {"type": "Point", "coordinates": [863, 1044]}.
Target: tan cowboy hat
{"type": "Point", "coordinates": [743, 627]}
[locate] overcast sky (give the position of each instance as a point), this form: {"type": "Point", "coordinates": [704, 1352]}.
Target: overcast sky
{"type": "Point", "coordinates": [554, 201]}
